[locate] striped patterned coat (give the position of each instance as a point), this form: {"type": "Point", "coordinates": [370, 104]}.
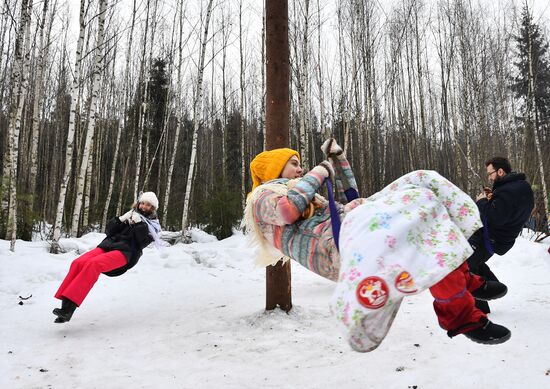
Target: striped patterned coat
{"type": "Point", "coordinates": [306, 240]}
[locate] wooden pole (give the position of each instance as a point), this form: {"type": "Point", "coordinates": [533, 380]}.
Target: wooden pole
{"type": "Point", "coordinates": [277, 118]}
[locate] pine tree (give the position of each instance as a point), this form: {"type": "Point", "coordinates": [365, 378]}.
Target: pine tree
{"type": "Point", "coordinates": [532, 86]}
{"type": "Point", "coordinates": [541, 66]}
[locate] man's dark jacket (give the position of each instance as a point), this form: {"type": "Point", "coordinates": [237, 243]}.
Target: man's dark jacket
{"type": "Point", "coordinates": [130, 239]}
{"type": "Point", "coordinates": [507, 211]}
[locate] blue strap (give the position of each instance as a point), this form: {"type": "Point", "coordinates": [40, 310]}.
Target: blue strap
{"type": "Point", "coordinates": [334, 217]}
{"type": "Point", "coordinates": [486, 239]}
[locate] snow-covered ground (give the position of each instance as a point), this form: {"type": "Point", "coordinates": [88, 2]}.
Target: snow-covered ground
{"type": "Point", "coordinates": [192, 317]}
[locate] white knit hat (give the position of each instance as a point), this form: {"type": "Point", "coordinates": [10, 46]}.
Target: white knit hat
{"type": "Point", "coordinates": [150, 197]}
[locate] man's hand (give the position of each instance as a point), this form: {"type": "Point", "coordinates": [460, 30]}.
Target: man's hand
{"type": "Point", "coordinates": [480, 196]}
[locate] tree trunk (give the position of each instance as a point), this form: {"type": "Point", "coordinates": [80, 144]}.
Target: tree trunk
{"type": "Point", "coordinates": [142, 107]}
{"type": "Point", "coordinates": [70, 133]}
{"type": "Point", "coordinates": [533, 118]}
{"type": "Point", "coordinates": [91, 122]}
{"type": "Point", "coordinates": [15, 124]}
{"type": "Point", "coordinates": [242, 109]}
{"type": "Point", "coordinates": [225, 39]}
{"type": "Point", "coordinates": [325, 130]}
{"type": "Point", "coordinates": [37, 104]}
{"type": "Point", "coordinates": [196, 117]}
{"type": "Point", "coordinates": [121, 122]}
{"type": "Point", "coordinates": [262, 109]}
{"type": "Point", "coordinates": [179, 109]}
{"type": "Point", "coordinates": [278, 277]}
{"type": "Point", "coordinates": [88, 186]}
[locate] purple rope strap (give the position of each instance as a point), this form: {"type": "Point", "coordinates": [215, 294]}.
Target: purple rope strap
{"type": "Point", "coordinates": [486, 239]}
{"type": "Point", "coordinates": [334, 217]}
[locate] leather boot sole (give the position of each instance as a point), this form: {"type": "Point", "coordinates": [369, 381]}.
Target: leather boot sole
{"type": "Point", "coordinates": [490, 341]}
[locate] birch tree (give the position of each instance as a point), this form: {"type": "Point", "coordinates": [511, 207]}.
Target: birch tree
{"type": "Point", "coordinates": [300, 71]}
{"type": "Point", "coordinates": [22, 60]}
{"type": "Point", "coordinates": [71, 132]}
{"type": "Point", "coordinates": [179, 111]}
{"type": "Point", "coordinates": [43, 56]}
{"type": "Point", "coordinates": [242, 108]}
{"type": "Point", "coordinates": [145, 101]}
{"type": "Point", "coordinates": [91, 123]}
{"type": "Point", "coordinates": [197, 100]}
{"type": "Point", "coordinates": [121, 122]}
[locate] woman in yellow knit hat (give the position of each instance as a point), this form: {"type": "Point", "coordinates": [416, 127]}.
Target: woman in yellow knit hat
{"type": "Point", "coordinates": [269, 165]}
{"type": "Point", "coordinates": [410, 236]}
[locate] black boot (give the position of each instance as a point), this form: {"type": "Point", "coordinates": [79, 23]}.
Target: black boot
{"type": "Point", "coordinates": [483, 306]}
{"type": "Point", "coordinates": [66, 311]}
{"type": "Point", "coordinates": [489, 333]}
{"type": "Point", "coordinates": [490, 290]}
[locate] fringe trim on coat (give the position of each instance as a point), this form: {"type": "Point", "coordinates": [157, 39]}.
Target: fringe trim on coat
{"type": "Point", "coordinates": [266, 253]}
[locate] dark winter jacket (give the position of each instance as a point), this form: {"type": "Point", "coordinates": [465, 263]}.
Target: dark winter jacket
{"type": "Point", "coordinates": [130, 239]}
{"type": "Point", "coordinates": [507, 211]}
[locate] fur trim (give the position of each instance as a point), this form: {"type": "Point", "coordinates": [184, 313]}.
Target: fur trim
{"type": "Point", "coordinates": [266, 253]}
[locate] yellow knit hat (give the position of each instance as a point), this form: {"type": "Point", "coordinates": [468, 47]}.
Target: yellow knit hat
{"type": "Point", "coordinates": [268, 165]}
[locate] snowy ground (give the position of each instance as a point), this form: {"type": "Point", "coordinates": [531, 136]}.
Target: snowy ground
{"type": "Point", "coordinates": [192, 317]}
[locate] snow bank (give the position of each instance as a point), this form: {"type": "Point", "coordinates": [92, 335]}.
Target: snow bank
{"type": "Point", "coordinates": [193, 318]}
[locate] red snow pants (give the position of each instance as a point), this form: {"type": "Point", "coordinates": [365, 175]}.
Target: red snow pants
{"type": "Point", "coordinates": [453, 304]}
{"type": "Point", "coordinates": [85, 271]}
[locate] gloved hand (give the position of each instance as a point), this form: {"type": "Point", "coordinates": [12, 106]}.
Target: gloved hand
{"type": "Point", "coordinates": [324, 169]}
{"type": "Point", "coordinates": [136, 218]}
{"type": "Point", "coordinates": [126, 216]}
{"type": "Point", "coordinates": [330, 148]}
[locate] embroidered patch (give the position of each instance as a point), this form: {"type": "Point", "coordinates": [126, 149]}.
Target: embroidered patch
{"type": "Point", "coordinates": [372, 292]}
{"type": "Point", "coordinates": [405, 283]}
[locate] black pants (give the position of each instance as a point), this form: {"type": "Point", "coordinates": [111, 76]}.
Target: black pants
{"type": "Point", "coordinates": [477, 262]}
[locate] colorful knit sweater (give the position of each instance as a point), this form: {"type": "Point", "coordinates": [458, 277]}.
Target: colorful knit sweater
{"type": "Point", "coordinates": [306, 240]}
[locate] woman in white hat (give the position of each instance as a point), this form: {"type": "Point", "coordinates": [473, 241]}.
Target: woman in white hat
{"type": "Point", "coordinates": [127, 235]}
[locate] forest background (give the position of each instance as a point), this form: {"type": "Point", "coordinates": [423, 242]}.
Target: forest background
{"type": "Point", "coordinates": [102, 99]}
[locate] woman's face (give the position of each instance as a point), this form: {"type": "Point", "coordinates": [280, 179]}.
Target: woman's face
{"type": "Point", "coordinates": [292, 169]}
{"type": "Point", "coordinates": [145, 207]}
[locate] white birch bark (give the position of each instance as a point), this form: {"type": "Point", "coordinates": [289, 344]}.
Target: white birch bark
{"type": "Point", "coordinates": [38, 101]}
{"type": "Point", "coordinates": [26, 10]}
{"type": "Point", "coordinates": [242, 109]}
{"type": "Point", "coordinates": [3, 30]}
{"type": "Point", "coordinates": [122, 119]}
{"type": "Point", "coordinates": [225, 39]}
{"type": "Point", "coordinates": [196, 116]}
{"type": "Point", "coordinates": [144, 104]}
{"type": "Point", "coordinates": [125, 176]}
{"type": "Point", "coordinates": [15, 84]}
{"type": "Point", "coordinates": [301, 71]}
{"type": "Point", "coordinates": [91, 123]}
{"type": "Point", "coordinates": [345, 106]}
{"type": "Point", "coordinates": [113, 169]}
{"type": "Point", "coordinates": [322, 123]}
{"type": "Point", "coordinates": [145, 127]}
{"type": "Point", "coordinates": [70, 133]}
{"type": "Point", "coordinates": [171, 104]}
{"type": "Point", "coordinates": [88, 186]}
{"type": "Point", "coordinates": [263, 108]}
{"type": "Point", "coordinates": [179, 109]}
